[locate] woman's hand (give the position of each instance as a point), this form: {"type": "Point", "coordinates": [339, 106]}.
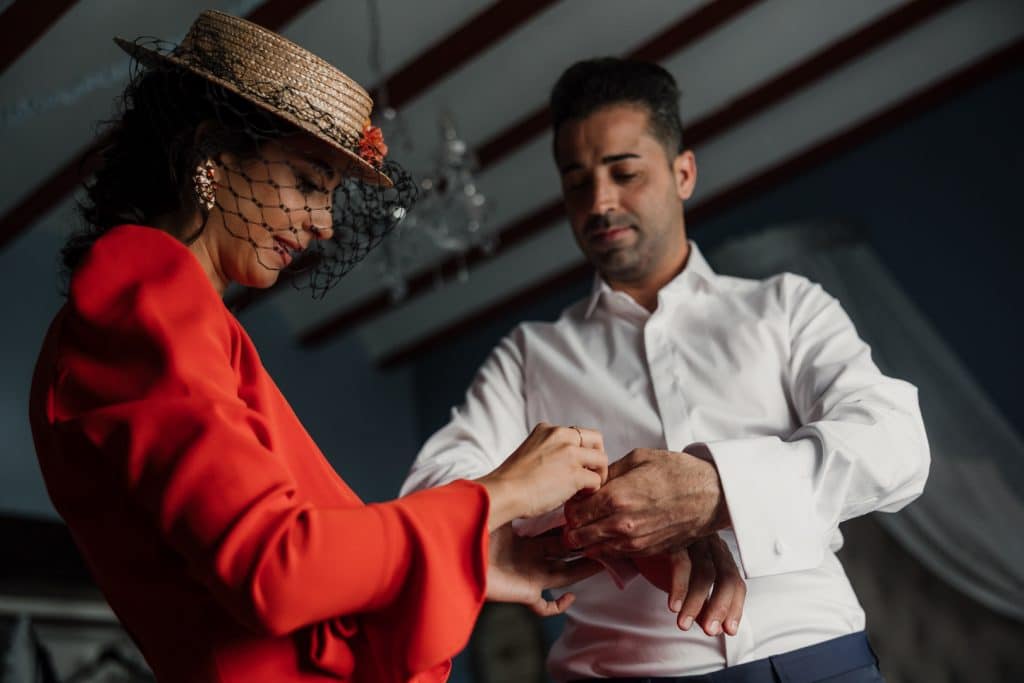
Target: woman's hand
{"type": "Point", "coordinates": [551, 466]}
{"type": "Point", "coordinates": [688, 574]}
{"type": "Point", "coordinates": [520, 568]}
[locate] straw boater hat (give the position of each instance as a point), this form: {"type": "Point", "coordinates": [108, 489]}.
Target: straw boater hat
{"type": "Point", "coordinates": [278, 76]}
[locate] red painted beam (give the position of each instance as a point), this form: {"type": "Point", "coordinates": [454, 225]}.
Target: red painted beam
{"type": "Point", "coordinates": [459, 47]}
{"type": "Point", "coordinates": [1002, 60]}
{"type": "Point", "coordinates": [23, 23]}
{"type": "Point", "coordinates": [274, 14]}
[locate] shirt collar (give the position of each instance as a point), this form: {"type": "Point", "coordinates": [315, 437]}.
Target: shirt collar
{"type": "Point", "coordinates": [696, 274]}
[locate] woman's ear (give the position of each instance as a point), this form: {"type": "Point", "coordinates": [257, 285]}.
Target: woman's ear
{"type": "Point", "coordinates": [207, 141]}
{"type": "Point", "coordinates": [203, 134]}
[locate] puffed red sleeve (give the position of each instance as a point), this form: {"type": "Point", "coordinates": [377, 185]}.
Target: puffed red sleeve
{"type": "Point", "coordinates": [145, 378]}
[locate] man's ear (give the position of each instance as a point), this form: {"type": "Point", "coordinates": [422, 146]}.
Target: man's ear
{"type": "Point", "coordinates": [684, 173]}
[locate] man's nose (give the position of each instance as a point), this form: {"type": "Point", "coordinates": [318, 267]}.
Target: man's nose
{"type": "Point", "coordinates": [605, 198]}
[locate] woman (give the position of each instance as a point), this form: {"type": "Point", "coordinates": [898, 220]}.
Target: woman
{"type": "Point", "coordinates": [222, 538]}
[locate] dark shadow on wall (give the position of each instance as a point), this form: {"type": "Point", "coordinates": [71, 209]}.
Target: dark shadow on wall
{"type": "Point", "coordinates": [923, 630]}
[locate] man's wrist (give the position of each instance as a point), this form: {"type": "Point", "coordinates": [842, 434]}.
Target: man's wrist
{"type": "Point", "coordinates": [711, 491]}
{"type": "Point", "coordinates": [720, 518]}
{"type": "Point", "coordinates": [718, 513]}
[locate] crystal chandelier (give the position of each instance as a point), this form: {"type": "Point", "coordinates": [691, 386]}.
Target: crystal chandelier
{"type": "Point", "coordinates": [451, 212]}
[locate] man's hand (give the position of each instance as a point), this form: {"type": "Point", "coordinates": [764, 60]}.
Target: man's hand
{"type": "Point", "coordinates": [688, 574]}
{"type": "Point", "coordinates": [654, 501]}
{"type": "Point", "coordinates": [520, 568]}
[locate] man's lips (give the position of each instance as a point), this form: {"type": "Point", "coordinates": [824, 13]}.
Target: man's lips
{"type": "Point", "coordinates": [609, 234]}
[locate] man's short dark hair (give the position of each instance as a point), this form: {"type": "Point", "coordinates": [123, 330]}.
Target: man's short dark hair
{"type": "Point", "coordinates": [593, 84]}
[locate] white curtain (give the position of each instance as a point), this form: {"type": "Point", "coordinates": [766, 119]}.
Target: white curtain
{"type": "Point", "coordinates": [968, 526]}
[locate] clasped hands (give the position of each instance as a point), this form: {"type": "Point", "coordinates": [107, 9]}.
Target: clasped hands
{"type": "Point", "coordinates": [660, 509]}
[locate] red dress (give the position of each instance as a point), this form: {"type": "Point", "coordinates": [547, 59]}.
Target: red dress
{"type": "Point", "coordinates": [222, 538]}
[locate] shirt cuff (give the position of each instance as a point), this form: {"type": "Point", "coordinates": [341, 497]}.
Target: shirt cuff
{"type": "Point", "coordinates": [768, 488]}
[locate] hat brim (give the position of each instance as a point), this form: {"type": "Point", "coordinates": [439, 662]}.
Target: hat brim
{"type": "Point", "coordinates": [365, 171]}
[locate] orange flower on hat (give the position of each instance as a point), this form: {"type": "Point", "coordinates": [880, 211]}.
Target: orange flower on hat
{"type": "Point", "coordinates": [371, 145]}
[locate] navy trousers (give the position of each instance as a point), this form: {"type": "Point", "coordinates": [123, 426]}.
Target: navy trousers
{"type": "Point", "coordinates": [847, 659]}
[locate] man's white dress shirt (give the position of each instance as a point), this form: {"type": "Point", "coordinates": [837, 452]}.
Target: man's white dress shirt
{"type": "Point", "coordinates": [767, 378]}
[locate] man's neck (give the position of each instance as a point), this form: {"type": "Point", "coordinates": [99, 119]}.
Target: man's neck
{"type": "Point", "coordinates": [645, 290]}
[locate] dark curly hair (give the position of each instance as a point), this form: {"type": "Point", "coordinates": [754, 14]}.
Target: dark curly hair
{"type": "Point", "coordinates": [169, 120]}
{"type": "Point", "coordinates": [593, 84]}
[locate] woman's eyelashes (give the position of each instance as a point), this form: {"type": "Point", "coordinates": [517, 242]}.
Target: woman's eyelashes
{"type": "Point", "coordinates": [308, 186]}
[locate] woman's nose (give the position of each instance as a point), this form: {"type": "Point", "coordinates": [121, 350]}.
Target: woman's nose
{"type": "Point", "coordinates": [320, 223]}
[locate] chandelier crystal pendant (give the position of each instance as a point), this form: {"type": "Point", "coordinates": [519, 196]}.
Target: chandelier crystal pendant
{"type": "Point", "coordinates": [450, 216]}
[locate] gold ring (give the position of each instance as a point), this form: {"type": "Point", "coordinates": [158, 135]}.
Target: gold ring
{"type": "Point", "coordinates": [578, 432]}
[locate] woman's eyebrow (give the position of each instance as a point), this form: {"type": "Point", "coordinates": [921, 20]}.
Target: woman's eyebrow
{"type": "Point", "coordinates": [322, 166]}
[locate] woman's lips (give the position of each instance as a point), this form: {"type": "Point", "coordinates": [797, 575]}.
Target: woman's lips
{"type": "Point", "coordinates": [285, 250]}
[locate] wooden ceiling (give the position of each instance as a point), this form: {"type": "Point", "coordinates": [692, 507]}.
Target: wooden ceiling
{"type": "Point", "coordinates": [770, 89]}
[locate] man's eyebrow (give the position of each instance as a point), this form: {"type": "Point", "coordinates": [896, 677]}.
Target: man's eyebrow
{"type": "Point", "coordinates": [610, 159]}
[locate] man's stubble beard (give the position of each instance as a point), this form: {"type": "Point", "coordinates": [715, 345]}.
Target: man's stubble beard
{"type": "Point", "coordinates": [627, 264]}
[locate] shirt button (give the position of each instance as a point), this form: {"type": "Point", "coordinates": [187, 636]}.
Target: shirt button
{"type": "Point", "coordinates": [780, 547]}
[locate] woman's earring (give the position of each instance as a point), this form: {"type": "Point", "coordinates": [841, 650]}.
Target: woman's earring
{"type": "Point", "coordinates": [204, 184]}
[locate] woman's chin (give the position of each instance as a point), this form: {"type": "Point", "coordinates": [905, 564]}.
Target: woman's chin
{"type": "Point", "coordinates": [264, 279]}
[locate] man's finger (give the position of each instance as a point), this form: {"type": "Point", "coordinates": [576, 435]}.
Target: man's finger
{"type": "Point", "coordinates": [728, 573]}
{"type": "Point", "coordinates": [602, 531]}
{"type": "Point", "coordinates": [567, 573]}
{"type": "Point", "coordinates": [657, 542]}
{"type": "Point", "coordinates": [702, 576]}
{"type": "Point", "coordinates": [680, 568]}
{"type": "Point", "coordinates": [619, 467]}
{"type": "Point", "coordinates": [735, 612]}
{"type": "Point", "coordinates": [583, 511]}
{"type": "Point", "coordinates": [712, 617]}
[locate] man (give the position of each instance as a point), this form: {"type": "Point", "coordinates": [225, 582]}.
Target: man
{"type": "Point", "coordinates": [747, 409]}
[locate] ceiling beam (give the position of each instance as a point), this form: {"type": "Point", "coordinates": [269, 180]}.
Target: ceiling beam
{"type": "Point", "coordinates": [984, 69]}
{"type": "Point", "coordinates": [457, 48]}
{"type": "Point", "coordinates": [275, 14]}
{"type": "Point", "coordinates": [746, 106]}
{"type": "Point", "coordinates": [23, 23]}
{"type": "Point", "coordinates": [272, 14]}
